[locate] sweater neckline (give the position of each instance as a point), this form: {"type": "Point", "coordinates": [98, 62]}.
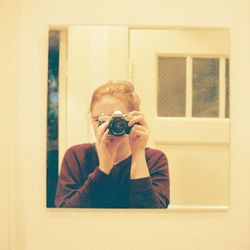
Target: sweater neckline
{"type": "Point", "coordinates": [123, 161]}
{"type": "Point", "coordinates": [120, 163]}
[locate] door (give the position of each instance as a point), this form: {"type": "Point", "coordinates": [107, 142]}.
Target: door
{"type": "Point", "coordinates": [182, 79]}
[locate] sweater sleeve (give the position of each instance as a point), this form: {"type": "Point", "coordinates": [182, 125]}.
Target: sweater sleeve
{"type": "Point", "coordinates": [153, 191]}
{"type": "Point", "coordinates": [73, 190]}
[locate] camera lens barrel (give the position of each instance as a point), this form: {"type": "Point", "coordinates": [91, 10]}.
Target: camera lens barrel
{"type": "Point", "coordinates": [118, 126]}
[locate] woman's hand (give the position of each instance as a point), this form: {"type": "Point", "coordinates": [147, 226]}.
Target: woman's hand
{"type": "Point", "coordinates": [139, 133]}
{"type": "Point", "coordinates": [138, 139]}
{"type": "Point", "coordinates": [106, 146]}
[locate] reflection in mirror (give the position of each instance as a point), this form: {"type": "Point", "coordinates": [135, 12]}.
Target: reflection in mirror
{"type": "Point", "coordinates": [52, 118]}
{"type": "Point", "coordinates": [182, 78]}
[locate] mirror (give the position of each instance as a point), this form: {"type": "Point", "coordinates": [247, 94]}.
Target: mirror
{"type": "Point", "coordinates": [182, 78]}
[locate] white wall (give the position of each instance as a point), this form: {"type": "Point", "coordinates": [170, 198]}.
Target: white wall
{"type": "Point", "coordinates": [32, 226]}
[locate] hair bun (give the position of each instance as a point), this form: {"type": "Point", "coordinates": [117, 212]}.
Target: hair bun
{"type": "Point", "coordinates": [123, 90]}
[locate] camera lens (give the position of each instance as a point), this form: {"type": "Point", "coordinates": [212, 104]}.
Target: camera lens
{"type": "Point", "coordinates": [117, 127]}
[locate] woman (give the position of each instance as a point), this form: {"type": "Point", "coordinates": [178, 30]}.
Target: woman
{"type": "Point", "coordinates": [116, 171]}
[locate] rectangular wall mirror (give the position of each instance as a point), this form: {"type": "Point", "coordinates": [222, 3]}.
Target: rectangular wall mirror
{"type": "Point", "coordinates": [182, 76]}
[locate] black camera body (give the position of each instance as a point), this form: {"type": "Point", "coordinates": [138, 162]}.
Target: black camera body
{"type": "Point", "coordinates": [118, 125]}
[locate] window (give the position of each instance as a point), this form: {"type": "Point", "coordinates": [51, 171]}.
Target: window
{"type": "Point", "coordinates": [172, 86]}
{"type": "Point", "coordinates": [193, 86]}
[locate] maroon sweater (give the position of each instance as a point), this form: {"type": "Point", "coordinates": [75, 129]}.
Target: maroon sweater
{"type": "Point", "coordinates": [82, 184]}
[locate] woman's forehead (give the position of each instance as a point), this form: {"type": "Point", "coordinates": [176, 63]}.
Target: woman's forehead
{"type": "Point", "coordinates": [107, 105]}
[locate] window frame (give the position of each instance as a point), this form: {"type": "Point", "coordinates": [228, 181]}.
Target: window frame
{"type": "Point", "coordinates": [189, 82]}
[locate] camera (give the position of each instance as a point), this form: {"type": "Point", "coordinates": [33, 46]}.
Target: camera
{"type": "Point", "coordinates": [118, 124]}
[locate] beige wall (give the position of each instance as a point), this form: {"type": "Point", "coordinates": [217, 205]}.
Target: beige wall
{"type": "Point", "coordinates": [32, 226]}
{"type": "Point", "coordinates": [7, 45]}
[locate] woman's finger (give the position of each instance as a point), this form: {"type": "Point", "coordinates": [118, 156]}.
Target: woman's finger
{"type": "Point", "coordinates": [138, 133]}
{"type": "Point", "coordinates": [137, 118]}
{"type": "Point", "coordinates": [101, 129]}
{"type": "Point", "coordinates": [138, 130]}
{"type": "Point", "coordinates": [140, 127]}
{"type": "Point", "coordinates": [105, 135]}
{"type": "Point", "coordinates": [135, 113]}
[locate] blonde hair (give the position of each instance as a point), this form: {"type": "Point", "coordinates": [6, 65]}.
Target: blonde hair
{"type": "Point", "coordinates": [122, 90]}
